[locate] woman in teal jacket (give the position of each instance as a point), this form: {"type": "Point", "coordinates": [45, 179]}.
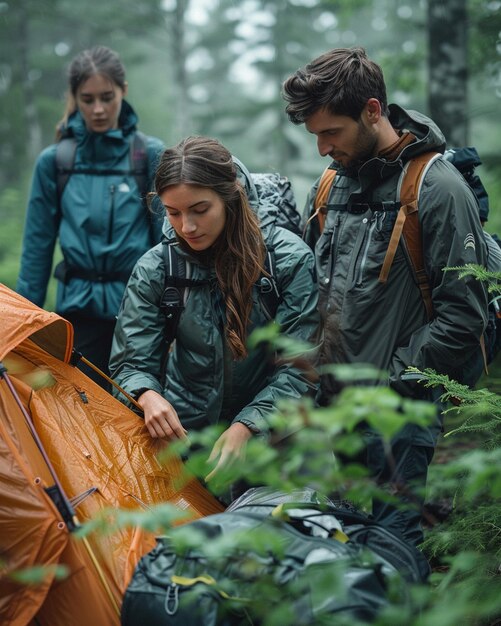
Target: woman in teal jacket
{"type": "Point", "coordinates": [95, 209]}
{"type": "Point", "coordinates": [211, 375]}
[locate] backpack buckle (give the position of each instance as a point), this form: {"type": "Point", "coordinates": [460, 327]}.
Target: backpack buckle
{"type": "Point", "coordinates": [265, 285]}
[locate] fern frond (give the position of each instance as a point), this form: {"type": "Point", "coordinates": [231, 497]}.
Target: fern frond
{"type": "Point", "coordinates": [492, 279]}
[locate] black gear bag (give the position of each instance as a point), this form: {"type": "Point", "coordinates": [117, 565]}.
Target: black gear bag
{"type": "Point", "coordinates": [268, 552]}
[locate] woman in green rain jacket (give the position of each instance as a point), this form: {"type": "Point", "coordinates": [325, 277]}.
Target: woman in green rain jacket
{"type": "Point", "coordinates": [102, 224]}
{"type": "Point", "coordinates": [211, 376]}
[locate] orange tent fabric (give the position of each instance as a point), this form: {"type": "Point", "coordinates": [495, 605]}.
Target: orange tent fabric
{"type": "Point", "coordinates": [94, 446]}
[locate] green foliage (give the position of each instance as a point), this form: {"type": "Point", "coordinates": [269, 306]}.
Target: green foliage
{"type": "Point", "coordinates": [11, 214]}
{"type": "Point", "coordinates": [318, 447]}
{"type": "Point", "coordinates": [480, 409]}
{"type": "Point", "coordinates": [491, 279]}
{"type": "Point", "coordinates": [233, 83]}
{"type": "Point", "coordinates": [160, 517]}
{"type": "Point", "coordinates": [39, 574]}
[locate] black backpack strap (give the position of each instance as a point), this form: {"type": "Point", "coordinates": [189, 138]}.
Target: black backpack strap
{"type": "Point", "coordinates": [172, 300]}
{"type": "Point", "coordinates": [177, 283]}
{"type": "Point", "coordinates": [138, 157]}
{"type": "Point", "coordinates": [267, 285]}
{"type": "Point", "coordinates": [139, 163]}
{"type": "Point", "coordinates": [138, 160]}
{"type": "Point", "coordinates": [65, 158]}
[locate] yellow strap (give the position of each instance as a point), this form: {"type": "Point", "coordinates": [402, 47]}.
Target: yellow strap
{"type": "Point", "coordinates": [339, 535]}
{"type": "Point", "coordinates": [279, 512]}
{"type": "Point", "coordinates": [183, 581]}
{"type": "Point", "coordinates": [189, 582]}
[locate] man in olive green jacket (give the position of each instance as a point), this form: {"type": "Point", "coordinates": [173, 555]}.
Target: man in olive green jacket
{"type": "Point", "coordinates": [341, 99]}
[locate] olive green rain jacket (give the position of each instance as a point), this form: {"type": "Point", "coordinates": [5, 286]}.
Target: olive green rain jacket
{"type": "Point", "coordinates": [203, 383]}
{"type": "Point", "coordinates": [386, 325]}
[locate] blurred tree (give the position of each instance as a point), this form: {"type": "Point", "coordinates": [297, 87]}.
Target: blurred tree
{"type": "Point", "coordinates": [215, 67]}
{"type": "Point", "coordinates": [448, 68]}
{"type": "Point", "coordinates": [263, 42]}
{"type": "Point", "coordinates": [36, 38]}
{"type": "Point", "coordinates": [178, 53]}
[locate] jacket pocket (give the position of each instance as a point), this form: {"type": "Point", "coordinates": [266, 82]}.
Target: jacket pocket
{"type": "Point", "coordinates": [371, 246]}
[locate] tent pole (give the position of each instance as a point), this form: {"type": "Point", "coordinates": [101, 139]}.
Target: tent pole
{"type": "Point", "coordinates": [63, 504]}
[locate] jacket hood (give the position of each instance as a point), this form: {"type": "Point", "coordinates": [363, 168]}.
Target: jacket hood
{"type": "Point", "coordinates": [127, 123]}
{"type": "Point", "coordinates": [104, 149]}
{"type": "Point", "coordinates": [428, 138]}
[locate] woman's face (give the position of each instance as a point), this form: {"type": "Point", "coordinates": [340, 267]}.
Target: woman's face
{"type": "Point", "coordinates": [99, 101]}
{"type": "Point", "coordinates": [197, 214]}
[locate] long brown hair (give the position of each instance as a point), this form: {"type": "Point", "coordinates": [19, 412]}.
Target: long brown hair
{"type": "Point", "coordinates": [240, 250]}
{"type": "Point", "coordinates": [88, 63]}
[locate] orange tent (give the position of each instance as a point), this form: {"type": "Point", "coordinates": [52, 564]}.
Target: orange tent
{"type": "Point", "coordinates": [68, 450]}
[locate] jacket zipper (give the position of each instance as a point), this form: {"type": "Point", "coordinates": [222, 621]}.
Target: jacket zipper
{"type": "Point", "coordinates": [332, 248]}
{"type": "Point", "coordinates": [112, 214]}
{"type": "Point", "coordinates": [108, 239]}
{"type": "Point", "coordinates": [365, 250]}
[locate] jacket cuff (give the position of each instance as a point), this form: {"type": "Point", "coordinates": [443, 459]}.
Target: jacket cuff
{"type": "Point", "coordinates": [137, 392]}
{"type": "Point", "coordinates": [258, 425]}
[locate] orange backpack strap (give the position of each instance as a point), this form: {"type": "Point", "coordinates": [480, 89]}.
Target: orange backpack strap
{"type": "Point", "coordinates": [407, 224]}
{"type": "Point", "coordinates": [323, 189]}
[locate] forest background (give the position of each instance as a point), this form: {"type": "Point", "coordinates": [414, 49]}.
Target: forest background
{"type": "Point", "coordinates": [215, 67]}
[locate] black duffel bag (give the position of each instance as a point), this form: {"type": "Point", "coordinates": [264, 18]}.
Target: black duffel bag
{"type": "Point", "coordinates": [298, 557]}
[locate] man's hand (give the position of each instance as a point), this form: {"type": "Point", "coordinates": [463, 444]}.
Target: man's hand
{"type": "Point", "coordinates": [230, 447]}
{"type": "Point", "coordinates": [160, 416]}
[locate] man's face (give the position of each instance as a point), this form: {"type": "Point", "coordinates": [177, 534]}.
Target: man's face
{"type": "Point", "coordinates": [345, 140]}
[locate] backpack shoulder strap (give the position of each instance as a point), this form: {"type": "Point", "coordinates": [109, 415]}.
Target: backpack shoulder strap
{"type": "Point", "coordinates": [138, 157]}
{"type": "Point", "coordinates": [177, 284]}
{"type": "Point", "coordinates": [321, 198]}
{"type": "Point", "coordinates": [65, 158]}
{"type": "Point", "coordinates": [268, 289]}
{"type": "Point", "coordinates": [173, 297]}
{"type": "Point", "coordinates": [407, 224]}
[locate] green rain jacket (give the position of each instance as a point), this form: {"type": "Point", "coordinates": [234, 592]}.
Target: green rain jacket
{"type": "Point", "coordinates": [203, 383]}
{"type": "Point", "coordinates": [102, 223]}
{"type": "Point", "coordinates": [386, 325]}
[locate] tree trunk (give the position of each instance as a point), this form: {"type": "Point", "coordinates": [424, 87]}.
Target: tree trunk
{"type": "Point", "coordinates": [179, 56]}
{"type": "Point", "coordinates": [448, 73]}
{"type": "Point", "coordinates": [34, 132]}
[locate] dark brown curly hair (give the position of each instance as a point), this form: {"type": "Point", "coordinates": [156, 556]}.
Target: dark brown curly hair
{"type": "Point", "coordinates": [340, 81]}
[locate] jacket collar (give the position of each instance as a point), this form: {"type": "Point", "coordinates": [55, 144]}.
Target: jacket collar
{"type": "Point", "coordinates": [127, 123]}
{"type": "Point", "coordinates": [428, 138]}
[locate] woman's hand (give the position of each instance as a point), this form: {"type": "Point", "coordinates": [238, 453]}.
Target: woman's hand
{"type": "Point", "coordinates": [230, 447]}
{"type": "Point", "coordinates": [160, 416]}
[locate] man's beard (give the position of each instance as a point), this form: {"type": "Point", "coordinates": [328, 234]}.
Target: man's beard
{"type": "Point", "coordinates": [363, 149]}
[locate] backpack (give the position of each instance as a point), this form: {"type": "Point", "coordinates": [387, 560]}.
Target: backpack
{"type": "Point", "coordinates": [329, 563]}
{"type": "Point", "coordinates": [178, 283]}
{"type": "Point", "coordinates": [65, 167]}
{"type": "Point", "coordinates": [272, 197]}
{"type": "Point", "coordinates": [466, 160]}
{"type": "Point", "coordinates": [407, 227]}
{"type": "Point", "coordinates": [138, 157]}
{"type": "Point", "coordinates": [277, 204]}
